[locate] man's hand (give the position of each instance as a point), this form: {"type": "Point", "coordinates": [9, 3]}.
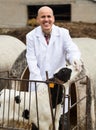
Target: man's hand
{"type": "Point", "coordinates": [77, 64]}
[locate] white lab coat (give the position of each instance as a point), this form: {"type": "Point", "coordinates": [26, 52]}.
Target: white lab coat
{"type": "Point", "coordinates": [42, 57]}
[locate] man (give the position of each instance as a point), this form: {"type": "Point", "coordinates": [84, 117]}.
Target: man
{"type": "Point", "coordinates": [52, 54]}
{"type": "Point", "coordinates": [42, 56]}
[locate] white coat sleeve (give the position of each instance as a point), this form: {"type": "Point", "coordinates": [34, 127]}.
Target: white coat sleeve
{"type": "Point", "coordinates": [31, 60]}
{"type": "Point", "coordinates": [71, 49]}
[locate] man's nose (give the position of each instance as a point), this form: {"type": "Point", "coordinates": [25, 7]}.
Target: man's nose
{"type": "Point", "coordinates": [46, 18]}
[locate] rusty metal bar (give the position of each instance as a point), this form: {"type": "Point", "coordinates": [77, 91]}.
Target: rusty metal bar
{"type": "Point", "coordinates": [37, 105]}
{"type": "Point", "coordinates": [69, 112]}
{"type": "Point", "coordinates": [78, 124]}
{"type": "Point", "coordinates": [87, 97]}
{"type": "Point", "coordinates": [78, 102]}
{"type": "Point", "coordinates": [63, 108]}
{"type": "Point", "coordinates": [47, 77]}
{"type": "Point", "coordinates": [88, 104]}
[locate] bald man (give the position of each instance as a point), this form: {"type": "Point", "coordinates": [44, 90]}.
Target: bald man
{"type": "Point", "coordinates": [51, 53]}
{"type": "Point", "coordinates": [45, 19]}
{"type": "Point", "coordinates": [48, 56]}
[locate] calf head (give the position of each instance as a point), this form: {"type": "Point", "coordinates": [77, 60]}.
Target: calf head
{"type": "Point", "coordinates": [64, 75]}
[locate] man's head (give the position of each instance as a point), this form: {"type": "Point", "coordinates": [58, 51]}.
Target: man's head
{"type": "Point", "coordinates": [45, 19]}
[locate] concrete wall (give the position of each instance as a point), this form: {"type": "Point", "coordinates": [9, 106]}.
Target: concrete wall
{"type": "Point", "coordinates": [46, 2]}
{"type": "Point", "coordinates": [13, 13]}
{"type": "Point", "coordinates": [84, 11]}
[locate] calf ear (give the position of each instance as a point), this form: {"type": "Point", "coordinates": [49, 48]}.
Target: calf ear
{"type": "Point", "coordinates": [17, 99]}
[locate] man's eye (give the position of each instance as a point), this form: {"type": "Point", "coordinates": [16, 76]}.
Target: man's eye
{"type": "Point", "coordinates": [43, 17]}
{"type": "Point", "coordinates": [49, 16]}
{"type": "Point", "coordinates": [46, 16]}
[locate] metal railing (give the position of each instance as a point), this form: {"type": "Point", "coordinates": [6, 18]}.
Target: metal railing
{"type": "Point", "coordinates": [16, 115]}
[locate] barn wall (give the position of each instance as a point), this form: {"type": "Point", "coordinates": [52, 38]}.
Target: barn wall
{"type": "Point", "coordinates": [84, 11]}
{"type": "Point", "coordinates": [15, 14]}
{"type": "Point", "coordinates": [12, 14]}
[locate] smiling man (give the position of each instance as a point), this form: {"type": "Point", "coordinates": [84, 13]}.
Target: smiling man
{"type": "Point", "coordinates": [45, 18]}
{"type": "Point", "coordinates": [49, 47]}
{"type": "Point", "coordinates": [52, 54]}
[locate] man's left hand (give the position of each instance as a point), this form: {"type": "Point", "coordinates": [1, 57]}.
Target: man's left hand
{"type": "Point", "coordinates": [77, 64]}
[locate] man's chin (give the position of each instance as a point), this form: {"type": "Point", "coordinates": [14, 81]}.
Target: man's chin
{"type": "Point", "coordinates": [47, 31]}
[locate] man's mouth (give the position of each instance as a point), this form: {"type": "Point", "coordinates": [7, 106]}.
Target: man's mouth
{"type": "Point", "coordinates": [46, 24]}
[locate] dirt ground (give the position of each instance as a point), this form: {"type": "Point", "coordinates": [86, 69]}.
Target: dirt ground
{"type": "Point", "coordinates": [76, 30]}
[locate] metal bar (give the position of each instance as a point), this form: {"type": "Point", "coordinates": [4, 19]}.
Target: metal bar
{"type": "Point", "coordinates": [78, 124]}
{"type": "Point", "coordinates": [37, 105]}
{"type": "Point", "coordinates": [69, 111]}
{"type": "Point", "coordinates": [78, 102]}
{"type": "Point", "coordinates": [87, 97]}
{"type": "Point", "coordinates": [14, 109]}
{"type": "Point", "coordinates": [50, 102]}
{"type": "Point", "coordinates": [63, 108]}
{"type": "Point", "coordinates": [88, 104]}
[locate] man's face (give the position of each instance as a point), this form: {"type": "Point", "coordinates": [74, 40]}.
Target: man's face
{"type": "Point", "coordinates": [45, 18]}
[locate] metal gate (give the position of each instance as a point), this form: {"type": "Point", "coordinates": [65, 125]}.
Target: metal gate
{"type": "Point", "coordinates": [16, 106]}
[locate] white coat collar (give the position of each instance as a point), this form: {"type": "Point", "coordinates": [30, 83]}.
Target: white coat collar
{"type": "Point", "coordinates": [39, 32]}
{"type": "Point", "coordinates": [55, 33]}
